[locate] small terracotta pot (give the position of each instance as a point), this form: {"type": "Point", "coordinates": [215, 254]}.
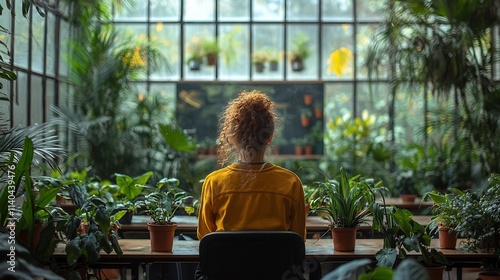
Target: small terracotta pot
{"type": "Point", "coordinates": [298, 150]}
{"type": "Point", "coordinates": [162, 237]}
{"type": "Point", "coordinates": [308, 150]}
{"type": "Point", "coordinates": [447, 240]}
{"type": "Point", "coordinates": [408, 198]}
{"type": "Point", "coordinates": [305, 121]}
{"type": "Point", "coordinates": [308, 99]}
{"type": "Point", "coordinates": [344, 239]}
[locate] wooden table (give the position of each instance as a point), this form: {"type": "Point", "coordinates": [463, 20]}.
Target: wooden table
{"type": "Point", "coordinates": [137, 252]}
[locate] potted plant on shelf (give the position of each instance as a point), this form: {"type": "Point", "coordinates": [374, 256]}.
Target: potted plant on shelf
{"type": "Point", "coordinates": [406, 184]}
{"type": "Point", "coordinates": [211, 50]}
{"type": "Point", "coordinates": [161, 204]}
{"type": "Point", "coordinates": [299, 51]}
{"type": "Point", "coordinates": [345, 203]}
{"type": "Point", "coordinates": [445, 211]}
{"type": "Point", "coordinates": [194, 50]}
{"type": "Point", "coordinates": [259, 58]}
{"type": "Point", "coordinates": [305, 117]}
{"type": "Point", "coordinates": [299, 143]}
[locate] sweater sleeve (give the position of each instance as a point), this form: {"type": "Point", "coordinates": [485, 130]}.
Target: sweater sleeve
{"type": "Point", "coordinates": [206, 214]}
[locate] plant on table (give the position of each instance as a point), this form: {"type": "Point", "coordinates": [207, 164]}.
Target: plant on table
{"type": "Point", "coordinates": [445, 211]}
{"type": "Point", "coordinates": [479, 220]}
{"type": "Point", "coordinates": [161, 205]}
{"type": "Point", "coordinates": [345, 203]}
{"type": "Point", "coordinates": [402, 235]}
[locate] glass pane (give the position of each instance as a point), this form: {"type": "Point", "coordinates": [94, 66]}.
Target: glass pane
{"type": "Point", "coordinates": [167, 38]}
{"type": "Point", "coordinates": [302, 54]}
{"type": "Point", "coordinates": [234, 56]}
{"type": "Point", "coordinates": [36, 100]}
{"type": "Point", "coordinates": [199, 10]}
{"type": "Point", "coordinates": [63, 48]}
{"type": "Point", "coordinates": [165, 10]}
{"type": "Point", "coordinates": [5, 107]}
{"type": "Point", "coordinates": [408, 116]}
{"type": "Point", "coordinates": [372, 123]}
{"type": "Point", "coordinates": [132, 33]}
{"type": "Point", "coordinates": [370, 9]}
{"type": "Point", "coordinates": [21, 104]}
{"type": "Point", "coordinates": [230, 10]}
{"type": "Point", "coordinates": [268, 44]}
{"type": "Point", "coordinates": [337, 10]}
{"type": "Point", "coordinates": [49, 98]}
{"type": "Point", "coordinates": [5, 21]}
{"type": "Point", "coordinates": [364, 40]}
{"type": "Point", "coordinates": [136, 12]}
{"type": "Point", "coordinates": [167, 94]}
{"type": "Point", "coordinates": [268, 10]}
{"type": "Point", "coordinates": [21, 42]}
{"type": "Point", "coordinates": [194, 37]}
{"type": "Point", "coordinates": [338, 110]}
{"type": "Point", "coordinates": [37, 37]}
{"type": "Point", "coordinates": [302, 10]}
{"type": "Point", "coordinates": [51, 44]}
{"type": "Point", "coordinates": [338, 51]}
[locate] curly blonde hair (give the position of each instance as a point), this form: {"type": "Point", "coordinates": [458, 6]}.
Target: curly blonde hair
{"type": "Point", "coordinates": [246, 125]}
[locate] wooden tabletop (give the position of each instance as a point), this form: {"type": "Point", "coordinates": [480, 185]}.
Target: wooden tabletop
{"type": "Point", "coordinates": [139, 250]}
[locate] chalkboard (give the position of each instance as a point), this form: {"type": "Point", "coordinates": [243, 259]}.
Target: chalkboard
{"type": "Point", "coordinates": [199, 107]}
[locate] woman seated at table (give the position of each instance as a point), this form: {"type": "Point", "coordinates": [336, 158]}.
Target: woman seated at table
{"type": "Point", "coordinates": [251, 193]}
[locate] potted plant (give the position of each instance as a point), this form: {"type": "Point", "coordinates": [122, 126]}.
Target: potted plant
{"type": "Point", "coordinates": [402, 235]}
{"type": "Point", "coordinates": [273, 58]}
{"type": "Point", "coordinates": [259, 58]}
{"type": "Point", "coordinates": [299, 51]}
{"type": "Point", "coordinates": [299, 143]}
{"type": "Point", "coordinates": [445, 211]}
{"type": "Point", "coordinates": [195, 53]}
{"type": "Point", "coordinates": [161, 204]}
{"type": "Point", "coordinates": [479, 221]}
{"type": "Point", "coordinates": [305, 117]}
{"type": "Point", "coordinates": [211, 50]}
{"type": "Point", "coordinates": [345, 203]}
{"type": "Point", "coordinates": [406, 185]}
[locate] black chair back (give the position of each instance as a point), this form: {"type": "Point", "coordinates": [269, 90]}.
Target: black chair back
{"type": "Point", "coordinates": [252, 255]}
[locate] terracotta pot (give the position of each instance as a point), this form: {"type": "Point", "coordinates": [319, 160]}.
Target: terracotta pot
{"type": "Point", "coordinates": [447, 240]}
{"type": "Point", "coordinates": [435, 272]}
{"type": "Point", "coordinates": [308, 150]}
{"type": "Point", "coordinates": [344, 239]}
{"type": "Point", "coordinates": [162, 237]}
{"type": "Point", "coordinates": [318, 113]}
{"type": "Point", "coordinates": [484, 275]}
{"type": "Point", "coordinates": [212, 59]}
{"type": "Point", "coordinates": [24, 235]}
{"type": "Point", "coordinates": [408, 198]}
{"type": "Point", "coordinates": [298, 150]}
{"type": "Point", "coordinates": [308, 99]}
{"type": "Point", "coordinates": [305, 121]}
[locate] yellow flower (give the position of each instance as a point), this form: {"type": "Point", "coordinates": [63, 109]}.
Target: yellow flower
{"type": "Point", "coordinates": [338, 61]}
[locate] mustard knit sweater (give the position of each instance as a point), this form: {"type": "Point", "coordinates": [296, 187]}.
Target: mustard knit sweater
{"type": "Point", "coordinates": [252, 197]}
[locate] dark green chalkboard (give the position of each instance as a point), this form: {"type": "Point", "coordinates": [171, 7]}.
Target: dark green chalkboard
{"type": "Point", "coordinates": [199, 107]}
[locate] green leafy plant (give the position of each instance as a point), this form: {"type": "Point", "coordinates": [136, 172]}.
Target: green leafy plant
{"type": "Point", "coordinates": [299, 49]}
{"type": "Point", "coordinates": [164, 200]}
{"type": "Point", "coordinates": [346, 202]}
{"type": "Point", "coordinates": [127, 195]}
{"type": "Point", "coordinates": [446, 208]}
{"type": "Point", "coordinates": [210, 47]}
{"type": "Point", "coordinates": [402, 235]}
{"type": "Point", "coordinates": [259, 57]}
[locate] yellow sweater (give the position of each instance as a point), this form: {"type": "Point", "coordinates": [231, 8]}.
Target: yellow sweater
{"type": "Point", "coordinates": [252, 197]}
